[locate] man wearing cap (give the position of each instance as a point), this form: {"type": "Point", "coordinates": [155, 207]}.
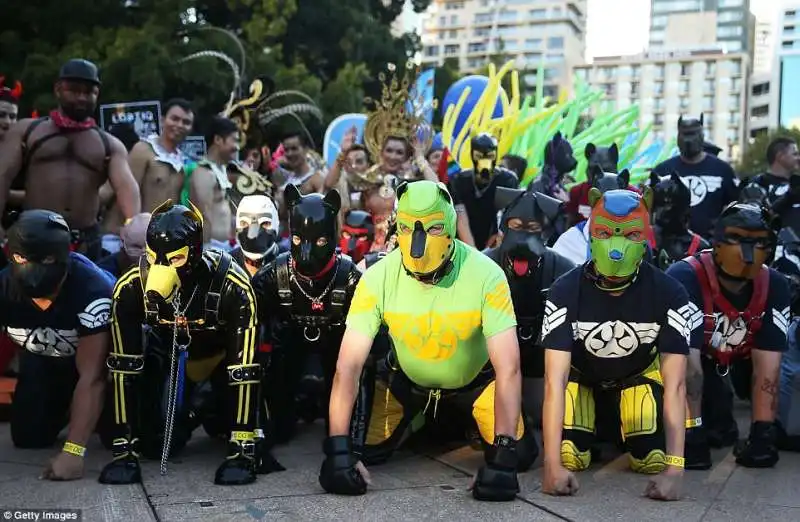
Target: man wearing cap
{"type": "Point", "coordinates": [65, 158]}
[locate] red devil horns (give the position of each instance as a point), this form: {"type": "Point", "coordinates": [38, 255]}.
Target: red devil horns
{"type": "Point", "coordinates": [15, 93]}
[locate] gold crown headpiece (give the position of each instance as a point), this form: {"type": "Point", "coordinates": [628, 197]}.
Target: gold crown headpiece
{"type": "Point", "coordinates": [391, 115]}
{"type": "Point", "coordinates": [239, 110]}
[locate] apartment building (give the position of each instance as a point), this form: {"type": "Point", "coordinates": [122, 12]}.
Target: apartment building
{"type": "Point", "coordinates": [547, 33]}
{"type": "Point", "coordinates": [764, 47]}
{"type": "Point", "coordinates": [676, 24]}
{"type": "Point", "coordinates": [760, 105]}
{"type": "Point", "coordinates": [669, 84]}
{"type": "Point", "coordinates": [786, 69]}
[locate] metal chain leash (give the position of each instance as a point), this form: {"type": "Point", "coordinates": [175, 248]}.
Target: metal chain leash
{"type": "Point", "coordinates": [318, 299]}
{"type": "Point", "coordinates": [172, 394]}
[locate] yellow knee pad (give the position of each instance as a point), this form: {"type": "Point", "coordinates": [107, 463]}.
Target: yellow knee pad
{"type": "Point", "coordinates": [579, 409]}
{"type": "Point", "coordinates": [483, 413]}
{"type": "Point", "coordinates": [574, 459]}
{"type": "Point", "coordinates": [386, 415]}
{"type": "Point", "coordinates": [653, 463]}
{"type": "Point", "coordinates": [638, 411]}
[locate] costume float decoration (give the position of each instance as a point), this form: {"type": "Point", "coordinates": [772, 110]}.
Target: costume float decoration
{"type": "Point", "coordinates": [202, 306]}
{"type": "Point", "coordinates": [524, 127]}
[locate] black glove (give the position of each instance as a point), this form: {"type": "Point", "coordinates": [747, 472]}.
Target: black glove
{"type": "Point", "coordinates": [124, 469]}
{"type": "Point", "coordinates": [497, 480]}
{"type": "Point", "coordinates": [339, 474]}
{"type": "Point", "coordinates": [239, 468]}
{"type": "Point", "coordinates": [760, 450]}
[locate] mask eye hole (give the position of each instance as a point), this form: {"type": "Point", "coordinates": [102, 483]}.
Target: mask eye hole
{"type": "Point", "coordinates": [20, 260]}
{"type": "Point", "coordinates": [178, 260]}
{"type": "Point", "coordinates": [322, 241]}
{"type": "Point", "coordinates": [635, 235]}
{"type": "Point", "coordinates": [266, 225]}
{"type": "Point", "coordinates": [296, 240]}
{"type": "Point", "coordinates": [436, 230]}
{"type": "Point", "coordinates": [533, 226]}
{"type": "Point", "coordinates": [404, 229]}
{"type": "Point", "coordinates": [243, 223]}
{"type": "Point", "coordinates": [601, 233]}
{"type": "Point", "coordinates": [514, 224]}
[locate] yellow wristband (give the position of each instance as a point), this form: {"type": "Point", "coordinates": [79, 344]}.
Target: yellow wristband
{"type": "Point", "coordinates": [242, 435]}
{"type": "Point", "coordinates": [74, 449]}
{"type": "Point", "coordinates": [674, 461]}
{"type": "Point", "coordinates": [694, 423]}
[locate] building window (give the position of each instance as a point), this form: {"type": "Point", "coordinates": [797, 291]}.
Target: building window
{"type": "Point", "coordinates": [474, 63]}
{"type": "Point", "coordinates": [508, 16]}
{"type": "Point", "coordinates": [557, 12]}
{"type": "Point", "coordinates": [736, 84]}
{"type": "Point", "coordinates": [658, 104]}
{"type": "Point", "coordinates": [686, 69]}
{"type": "Point", "coordinates": [658, 88]}
{"type": "Point", "coordinates": [674, 6]}
{"type": "Point", "coordinates": [537, 14]}
{"type": "Point", "coordinates": [708, 103]}
{"type": "Point", "coordinates": [581, 73]}
{"type": "Point", "coordinates": [733, 136]}
{"type": "Point", "coordinates": [635, 71]}
{"type": "Point", "coordinates": [730, 16]}
{"type": "Point", "coordinates": [787, 45]}
{"type": "Point", "coordinates": [452, 6]}
{"type": "Point", "coordinates": [608, 72]}
{"type": "Point", "coordinates": [432, 50]}
{"type": "Point", "coordinates": [442, 21]}
{"type": "Point", "coordinates": [658, 119]}
{"type": "Point", "coordinates": [734, 68]}
{"type": "Point", "coordinates": [729, 31]}
{"type": "Point", "coordinates": [711, 68]}
{"type": "Point", "coordinates": [733, 100]}
{"type": "Point", "coordinates": [759, 112]}
{"type": "Point", "coordinates": [760, 89]}
{"type": "Point", "coordinates": [450, 50]}
{"type": "Point", "coordinates": [476, 47]}
{"type": "Point", "coordinates": [533, 43]}
{"type": "Point", "coordinates": [659, 71]}
{"type": "Point", "coordinates": [733, 47]}
{"type": "Point", "coordinates": [684, 103]}
{"type": "Point", "coordinates": [483, 18]}
{"type": "Point", "coordinates": [658, 22]}
{"type": "Point", "coordinates": [634, 88]}
{"type": "Point", "coordinates": [683, 87]}
{"type": "Point", "coordinates": [555, 42]}
{"type": "Point", "coordinates": [710, 86]}
{"type": "Point", "coordinates": [441, 35]}
{"type": "Point", "coordinates": [551, 73]}
{"type": "Point", "coordinates": [452, 34]}
{"type": "Point", "coordinates": [482, 31]}
{"type": "Point", "coordinates": [610, 89]}
{"type": "Point", "coordinates": [729, 3]}
{"type": "Point", "coordinates": [453, 19]}
{"type": "Point", "coordinates": [657, 36]}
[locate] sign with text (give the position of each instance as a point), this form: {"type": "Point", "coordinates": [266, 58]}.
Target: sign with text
{"type": "Point", "coordinates": [194, 147]}
{"type": "Point", "coordinates": [144, 116]}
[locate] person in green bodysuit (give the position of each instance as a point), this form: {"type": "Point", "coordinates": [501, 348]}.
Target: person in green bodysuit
{"type": "Point", "coordinates": [449, 314]}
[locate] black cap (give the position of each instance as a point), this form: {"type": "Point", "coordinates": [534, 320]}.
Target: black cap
{"type": "Point", "coordinates": [80, 69]}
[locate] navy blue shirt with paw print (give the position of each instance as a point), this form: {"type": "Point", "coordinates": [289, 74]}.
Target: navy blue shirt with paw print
{"type": "Point", "coordinates": [614, 337]}
{"type": "Point", "coordinates": [774, 325]}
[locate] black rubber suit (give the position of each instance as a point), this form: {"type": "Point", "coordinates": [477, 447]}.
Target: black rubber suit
{"type": "Point", "coordinates": [201, 312]}
{"type": "Point", "coordinates": [303, 297]}
{"type": "Point", "coordinates": [529, 265]}
{"type": "Point", "coordinates": [671, 209]}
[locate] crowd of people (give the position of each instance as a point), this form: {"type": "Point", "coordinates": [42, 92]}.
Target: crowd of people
{"type": "Point", "coordinates": [147, 295]}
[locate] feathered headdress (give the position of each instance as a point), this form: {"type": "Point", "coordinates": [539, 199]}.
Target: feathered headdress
{"type": "Point", "coordinates": [391, 116]}
{"type": "Point", "coordinates": [10, 95]}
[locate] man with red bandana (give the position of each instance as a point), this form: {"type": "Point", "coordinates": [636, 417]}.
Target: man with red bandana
{"type": "Point", "coordinates": [744, 313]}
{"type": "Point", "coordinates": [65, 158]}
{"type": "Point", "coordinates": [616, 328]}
{"type": "Point", "coordinates": [303, 299]}
{"type": "Point", "coordinates": [358, 233]}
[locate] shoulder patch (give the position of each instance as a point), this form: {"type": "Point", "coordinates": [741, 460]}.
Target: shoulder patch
{"type": "Point", "coordinates": [96, 314]}
{"type": "Point", "coordinates": [781, 319]}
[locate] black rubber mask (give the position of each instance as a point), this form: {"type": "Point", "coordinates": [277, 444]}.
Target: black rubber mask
{"type": "Point", "coordinates": [483, 148]}
{"type": "Point", "coordinates": [312, 224]}
{"type": "Point", "coordinates": [39, 246]}
{"type": "Point", "coordinates": [690, 137]}
{"type": "Point", "coordinates": [527, 225]}
{"type": "Point", "coordinates": [671, 203]}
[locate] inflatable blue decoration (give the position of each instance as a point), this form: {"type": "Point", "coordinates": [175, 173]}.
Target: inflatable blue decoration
{"type": "Point", "coordinates": [477, 84]}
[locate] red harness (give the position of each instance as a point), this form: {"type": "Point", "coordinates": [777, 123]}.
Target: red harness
{"type": "Point", "coordinates": [712, 298]}
{"type": "Point", "coordinates": [694, 245]}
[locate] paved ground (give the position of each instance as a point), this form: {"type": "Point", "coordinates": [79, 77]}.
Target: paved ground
{"type": "Point", "coordinates": [411, 487]}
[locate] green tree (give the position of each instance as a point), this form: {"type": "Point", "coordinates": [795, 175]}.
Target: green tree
{"type": "Point", "coordinates": [754, 160]}
{"type": "Point", "coordinates": [445, 75]}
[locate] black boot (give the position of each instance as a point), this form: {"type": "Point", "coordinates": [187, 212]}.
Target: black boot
{"type": "Point", "coordinates": [239, 467]}
{"type": "Point", "coordinates": [124, 469]}
{"type": "Point", "coordinates": [696, 450]}
{"type": "Point", "coordinates": [785, 441]}
{"type": "Point", "coordinates": [760, 450]}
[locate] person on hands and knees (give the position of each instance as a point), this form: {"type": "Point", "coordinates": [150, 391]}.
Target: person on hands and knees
{"type": "Point", "coordinates": [745, 316]}
{"type": "Point", "coordinates": [450, 317]}
{"type": "Point", "coordinates": [56, 306]}
{"type": "Point", "coordinates": [616, 325]}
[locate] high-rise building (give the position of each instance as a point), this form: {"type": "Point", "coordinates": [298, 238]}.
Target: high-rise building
{"type": "Point", "coordinates": [760, 105]}
{"type": "Point", "coordinates": [547, 33]}
{"type": "Point", "coordinates": [670, 84]}
{"type": "Point", "coordinates": [786, 70]}
{"type": "Point", "coordinates": [681, 24]}
{"type": "Point", "coordinates": [764, 47]}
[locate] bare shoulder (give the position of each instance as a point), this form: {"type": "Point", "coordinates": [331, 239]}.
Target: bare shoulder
{"type": "Point", "coordinates": [202, 176]}
{"type": "Point", "coordinates": [18, 130]}
{"type": "Point", "coordinates": [140, 149]}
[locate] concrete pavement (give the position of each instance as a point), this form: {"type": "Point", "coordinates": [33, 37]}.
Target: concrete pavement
{"type": "Point", "coordinates": [410, 487]}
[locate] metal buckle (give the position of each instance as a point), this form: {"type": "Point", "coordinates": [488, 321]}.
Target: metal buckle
{"type": "Point", "coordinates": [310, 338]}
{"type": "Point", "coordinates": [528, 335]}
{"type": "Point", "coordinates": [237, 374]}
{"type": "Point", "coordinates": [248, 448]}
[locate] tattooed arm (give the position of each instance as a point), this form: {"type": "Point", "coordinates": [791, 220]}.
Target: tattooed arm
{"type": "Point", "coordinates": [766, 381]}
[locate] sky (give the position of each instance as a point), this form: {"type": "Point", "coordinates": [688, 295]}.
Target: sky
{"type": "Point", "coordinates": [610, 34]}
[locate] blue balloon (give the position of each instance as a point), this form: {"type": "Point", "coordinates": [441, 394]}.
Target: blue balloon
{"type": "Point", "coordinates": [477, 85]}
{"type": "Point", "coordinates": [437, 143]}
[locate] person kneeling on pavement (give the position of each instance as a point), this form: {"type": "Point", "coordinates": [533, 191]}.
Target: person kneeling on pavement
{"type": "Point", "coordinates": [450, 317]}
{"type": "Point", "coordinates": [744, 310]}
{"type": "Point", "coordinates": [616, 326]}
{"type": "Point", "coordinates": [56, 307]}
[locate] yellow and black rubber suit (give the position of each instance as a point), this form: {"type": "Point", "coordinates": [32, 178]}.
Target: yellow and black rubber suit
{"type": "Point", "coordinates": [216, 342]}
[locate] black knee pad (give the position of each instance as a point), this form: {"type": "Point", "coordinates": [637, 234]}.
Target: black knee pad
{"type": "Point", "coordinates": [583, 440]}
